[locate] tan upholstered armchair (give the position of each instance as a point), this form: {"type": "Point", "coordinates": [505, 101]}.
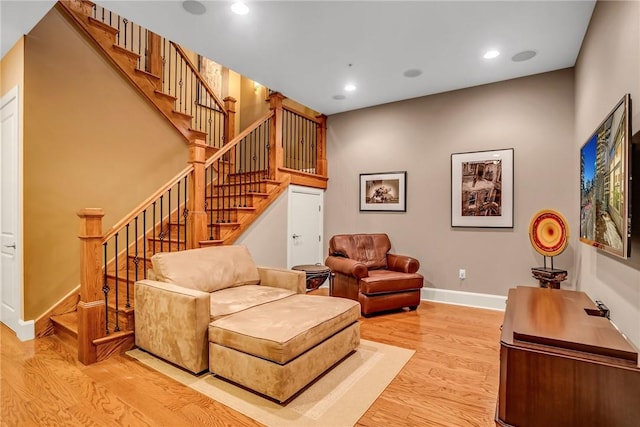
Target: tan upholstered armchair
{"type": "Point", "coordinates": [365, 271]}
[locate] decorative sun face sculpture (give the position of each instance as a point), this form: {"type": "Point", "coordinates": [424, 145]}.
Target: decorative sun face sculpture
{"type": "Point", "coordinates": [549, 232]}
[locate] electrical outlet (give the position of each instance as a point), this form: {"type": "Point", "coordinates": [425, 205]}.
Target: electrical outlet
{"type": "Point", "coordinates": [462, 274]}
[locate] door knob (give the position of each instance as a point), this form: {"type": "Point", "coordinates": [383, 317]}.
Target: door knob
{"type": "Point", "coordinates": [295, 236]}
{"type": "Point", "coordinates": [10, 246]}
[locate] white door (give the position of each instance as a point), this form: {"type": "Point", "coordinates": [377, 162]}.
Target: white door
{"type": "Point", "coordinates": [10, 241]}
{"type": "Point", "coordinates": [305, 226]}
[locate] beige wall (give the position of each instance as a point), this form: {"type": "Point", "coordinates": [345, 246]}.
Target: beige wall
{"type": "Point", "coordinates": [252, 102]}
{"type": "Point", "coordinates": [608, 67]}
{"type": "Point", "coordinates": [12, 75]}
{"type": "Point", "coordinates": [90, 140]}
{"type": "Point", "coordinates": [12, 69]}
{"type": "Point", "coordinates": [533, 115]}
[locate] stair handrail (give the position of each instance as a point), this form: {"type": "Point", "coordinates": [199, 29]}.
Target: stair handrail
{"type": "Point", "coordinates": [146, 204]}
{"type": "Point", "coordinates": [317, 120]}
{"type": "Point", "coordinates": [227, 147]}
{"type": "Point", "coordinates": [200, 77]}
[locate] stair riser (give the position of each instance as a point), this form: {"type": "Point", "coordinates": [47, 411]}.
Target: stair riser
{"type": "Point", "coordinates": [142, 263]}
{"type": "Point", "coordinates": [69, 338]}
{"type": "Point", "coordinates": [232, 190]}
{"type": "Point", "coordinates": [233, 201]}
{"type": "Point", "coordinates": [126, 321]}
{"type": "Point", "coordinates": [158, 246]}
{"type": "Point", "coordinates": [230, 216]}
{"type": "Point", "coordinates": [247, 178]}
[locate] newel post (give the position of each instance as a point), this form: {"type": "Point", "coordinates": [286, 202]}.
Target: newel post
{"type": "Point", "coordinates": [197, 215]}
{"type": "Point", "coordinates": [276, 152]}
{"type": "Point", "coordinates": [321, 150]}
{"type": "Point", "coordinates": [230, 119]}
{"type": "Point", "coordinates": [91, 309]}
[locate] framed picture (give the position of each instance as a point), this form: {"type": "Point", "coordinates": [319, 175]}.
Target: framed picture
{"type": "Point", "coordinates": [482, 189]}
{"type": "Point", "coordinates": [383, 192]}
{"type": "Point", "coordinates": [212, 74]}
{"type": "Point", "coordinates": [605, 183]}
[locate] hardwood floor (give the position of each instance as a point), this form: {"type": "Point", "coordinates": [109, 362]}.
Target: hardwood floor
{"type": "Point", "coordinates": [452, 380]}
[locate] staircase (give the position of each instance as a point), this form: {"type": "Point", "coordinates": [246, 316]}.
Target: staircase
{"type": "Point", "coordinates": [229, 182]}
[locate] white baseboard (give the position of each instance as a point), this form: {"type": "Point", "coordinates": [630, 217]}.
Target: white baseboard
{"type": "Point", "coordinates": [26, 330]}
{"type": "Point", "coordinates": [469, 299]}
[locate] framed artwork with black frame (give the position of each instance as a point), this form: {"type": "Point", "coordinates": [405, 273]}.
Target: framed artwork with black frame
{"type": "Point", "coordinates": [383, 192]}
{"type": "Point", "coordinates": [482, 189]}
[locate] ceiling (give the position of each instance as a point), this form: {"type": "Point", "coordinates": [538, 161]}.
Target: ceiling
{"type": "Point", "coordinates": [309, 50]}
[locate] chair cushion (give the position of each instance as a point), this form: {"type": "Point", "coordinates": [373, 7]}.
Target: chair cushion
{"type": "Point", "coordinates": [282, 330]}
{"type": "Point", "coordinates": [234, 300]}
{"type": "Point", "coordinates": [369, 249]}
{"type": "Point", "coordinates": [384, 281]}
{"type": "Point", "coordinates": [207, 269]}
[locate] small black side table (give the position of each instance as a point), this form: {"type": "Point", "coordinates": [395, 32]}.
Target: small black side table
{"type": "Point", "coordinates": [317, 274]}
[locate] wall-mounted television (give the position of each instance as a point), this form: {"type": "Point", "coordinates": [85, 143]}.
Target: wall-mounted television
{"type": "Point", "coordinates": [605, 177]}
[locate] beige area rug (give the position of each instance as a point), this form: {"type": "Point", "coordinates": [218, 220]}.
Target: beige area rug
{"type": "Point", "coordinates": [339, 398]}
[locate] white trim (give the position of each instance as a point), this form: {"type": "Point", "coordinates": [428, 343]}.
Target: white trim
{"type": "Point", "coordinates": [305, 190]}
{"type": "Point", "coordinates": [26, 330]}
{"type": "Point", "coordinates": [468, 299]}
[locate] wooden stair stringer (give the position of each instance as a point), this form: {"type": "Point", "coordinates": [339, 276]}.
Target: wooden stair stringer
{"type": "Point", "coordinates": [123, 61]}
{"type": "Point", "coordinates": [249, 219]}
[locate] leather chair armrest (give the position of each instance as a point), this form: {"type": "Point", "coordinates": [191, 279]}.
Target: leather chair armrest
{"type": "Point", "coordinates": [402, 263]}
{"type": "Point", "coordinates": [347, 266]}
{"type": "Point", "coordinates": [282, 278]}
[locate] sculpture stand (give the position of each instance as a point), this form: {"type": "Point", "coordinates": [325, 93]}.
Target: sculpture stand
{"type": "Point", "coordinates": [549, 277]}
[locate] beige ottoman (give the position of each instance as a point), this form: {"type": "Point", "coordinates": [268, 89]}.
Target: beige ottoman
{"type": "Point", "coordinates": [278, 348]}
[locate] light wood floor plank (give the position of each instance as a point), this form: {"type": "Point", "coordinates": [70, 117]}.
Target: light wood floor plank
{"type": "Point", "coordinates": [452, 380]}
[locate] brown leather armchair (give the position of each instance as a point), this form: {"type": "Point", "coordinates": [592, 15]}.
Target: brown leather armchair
{"type": "Point", "coordinates": [364, 271]}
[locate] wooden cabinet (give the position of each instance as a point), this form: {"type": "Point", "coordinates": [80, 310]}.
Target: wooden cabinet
{"type": "Point", "coordinates": [561, 366]}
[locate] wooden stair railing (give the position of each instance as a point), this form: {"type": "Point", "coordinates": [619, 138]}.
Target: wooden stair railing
{"type": "Point", "coordinates": [209, 203]}
{"type": "Point", "coordinates": [160, 69]}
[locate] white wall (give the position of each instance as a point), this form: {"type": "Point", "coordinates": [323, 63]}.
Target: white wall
{"type": "Point", "coordinates": [266, 238]}
{"type": "Point", "coordinates": [533, 115]}
{"type": "Point", "coordinates": [608, 67]}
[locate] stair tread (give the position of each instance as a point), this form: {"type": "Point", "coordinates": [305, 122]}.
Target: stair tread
{"type": "Point", "coordinates": [232, 208]}
{"type": "Point", "coordinates": [148, 74]}
{"type": "Point", "coordinates": [224, 224]}
{"type": "Point", "coordinates": [68, 321]}
{"type": "Point", "coordinates": [248, 193]}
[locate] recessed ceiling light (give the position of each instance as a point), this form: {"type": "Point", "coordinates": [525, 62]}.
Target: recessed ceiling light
{"type": "Point", "coordinates": [491, 54]}
{"type": "Point", "coordinates": [525, 55]}
{"type": "Point", "coordinates": [239, 8]}
{"type": "Point", "coordinates": [350, 87]}
{"type": "Point", "coordinates": [413, 72]}
{"type": "Point", "coordinates": [339, 97]}
{"type": "Point", "coordinates": [194, 7]}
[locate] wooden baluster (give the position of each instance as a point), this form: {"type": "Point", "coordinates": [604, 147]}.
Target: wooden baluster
{"type": "Point", "coordinates": [91, 307]}
{"type": "Point", "coordinates": [321, 146]}
{"type": "Point", "coordinates": [276, 151]}
{"type": "Point", "coordinates": [197, 215]}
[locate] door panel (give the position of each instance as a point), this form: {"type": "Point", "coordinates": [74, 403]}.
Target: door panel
{"type": "Point", "coordinates": [305, 226]}
{"type": "Point", "coordinates": [10, 302]}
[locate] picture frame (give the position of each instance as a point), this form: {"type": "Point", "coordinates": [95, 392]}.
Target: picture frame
{"type": "Point", "coordinates": [606, 169]}
{"type": "Point", "coordinates": [211, 72]}
{"type": "Point", "coordinates": [482, 189]}
{"type": "Point", "coordinates": [383, 192]}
